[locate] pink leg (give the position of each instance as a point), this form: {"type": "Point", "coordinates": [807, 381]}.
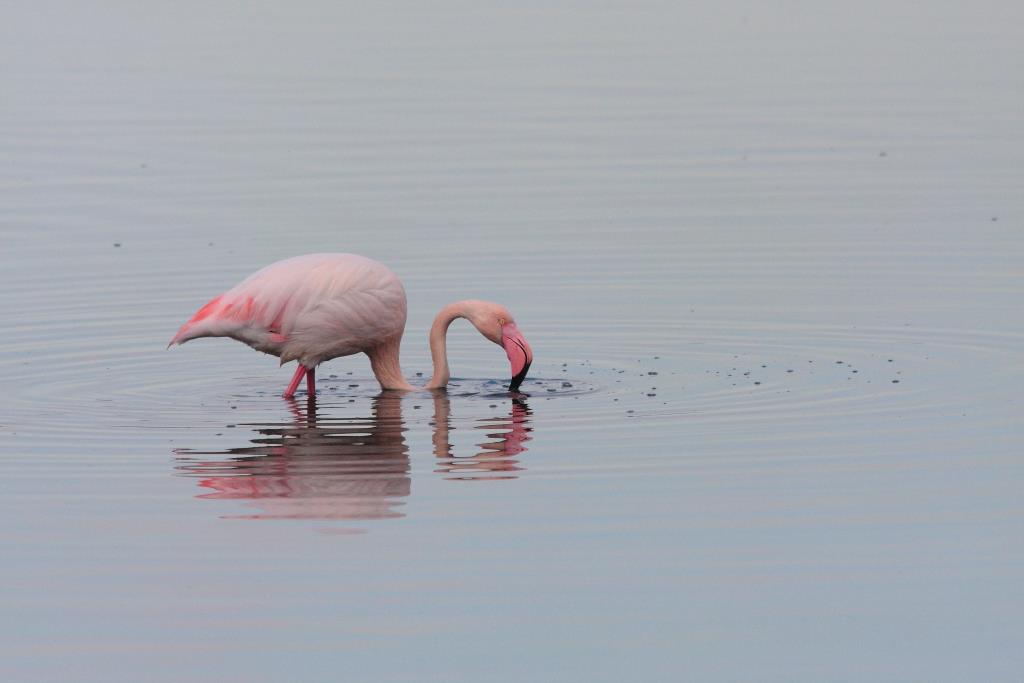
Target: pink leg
{"type": "Point", "coordinates": [311, 382]}
{"type": "Point", "coordinates": [296, 378]}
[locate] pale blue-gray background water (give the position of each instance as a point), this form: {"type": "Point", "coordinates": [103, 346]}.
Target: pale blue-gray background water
{"type": "Point", "coordinates": [776, 250]}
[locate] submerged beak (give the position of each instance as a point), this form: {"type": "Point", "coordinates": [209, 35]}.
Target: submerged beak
{"type": "Point", "coordinates": [520, 355]}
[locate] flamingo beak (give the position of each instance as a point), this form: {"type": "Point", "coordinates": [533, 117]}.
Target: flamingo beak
{"type": "Point", "coordinates": [520, 355]}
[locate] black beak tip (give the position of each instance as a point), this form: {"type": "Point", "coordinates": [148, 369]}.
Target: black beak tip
{"type": "Point", "coordinates": [513, 386]}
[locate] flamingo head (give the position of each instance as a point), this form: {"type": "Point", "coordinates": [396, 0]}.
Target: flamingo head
{"type": "Point", "coordinates": [519, 353]}
{"type": "Point", "coordinates": [495, 322]}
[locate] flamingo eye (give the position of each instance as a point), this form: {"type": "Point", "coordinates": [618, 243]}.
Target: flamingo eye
{"type": "Point", "coordinates": [501, 322]}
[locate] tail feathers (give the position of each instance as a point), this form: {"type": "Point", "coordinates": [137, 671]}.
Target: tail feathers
{"type": "Point", "coordinates": [201, 324]}
{"type": "Point", "coordinates": [187, 332]}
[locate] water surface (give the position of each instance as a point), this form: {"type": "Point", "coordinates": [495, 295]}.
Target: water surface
{"type": "Point", "coordinates": [769, 258]}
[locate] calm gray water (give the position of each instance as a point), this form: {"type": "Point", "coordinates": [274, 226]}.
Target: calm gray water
{"type": "Point", "coordinates": [769, 257]}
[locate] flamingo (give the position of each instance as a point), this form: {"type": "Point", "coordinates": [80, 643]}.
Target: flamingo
{"type": "Point", "coordinates": [320, 306]}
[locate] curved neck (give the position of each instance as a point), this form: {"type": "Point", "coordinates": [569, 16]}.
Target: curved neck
{"type": "Point", "coordinates": [438, 345]}
{"type": "Point", "coordinates": [388, 370]}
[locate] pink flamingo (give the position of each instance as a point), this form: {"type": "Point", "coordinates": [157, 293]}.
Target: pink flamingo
{"type": "Point", "coordinates": [320, 306]}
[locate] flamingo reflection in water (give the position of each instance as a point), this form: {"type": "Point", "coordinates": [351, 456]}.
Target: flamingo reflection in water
{"type": "Point", "coordinates": [496, 460]}
{"type": "Point", "coordinates": [335, 468]}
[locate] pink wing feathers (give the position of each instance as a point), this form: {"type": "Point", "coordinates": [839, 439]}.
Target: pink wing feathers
{"type": "Point", "coordinates": [250, 318]}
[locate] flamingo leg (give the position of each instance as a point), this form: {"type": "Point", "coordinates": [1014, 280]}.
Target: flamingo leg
{"type": "Point", "coordinates": [311, 382]}
{"type": "Point", "coordinates": [296, 378]}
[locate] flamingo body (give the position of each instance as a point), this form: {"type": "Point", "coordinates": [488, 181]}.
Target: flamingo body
{"type": "Point", "coordinates": [307, 308]}
{"type": "Point", "coordinates": [320, 306]}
